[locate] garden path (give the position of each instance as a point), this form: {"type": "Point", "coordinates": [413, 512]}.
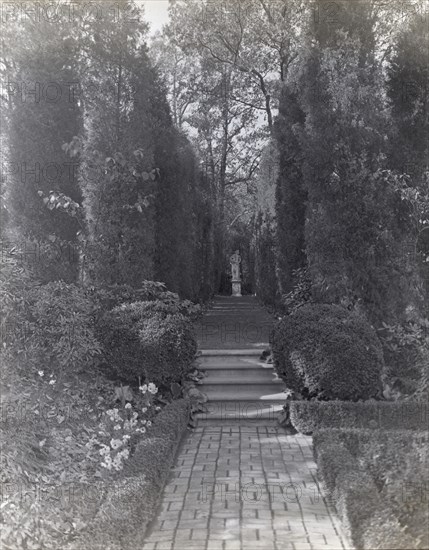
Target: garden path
{"type": "Point", "coordinates": [241, 481]}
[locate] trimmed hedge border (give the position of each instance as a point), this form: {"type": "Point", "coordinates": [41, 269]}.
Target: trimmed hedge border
{"type": "Point", "coordinates": [131, 501]}
{"type": "Point", "coordinates": [351, 488]}
{"type": "Point", "coordinates": [368, 519]}
{"type": "Point", "coordinates": [309, 416]}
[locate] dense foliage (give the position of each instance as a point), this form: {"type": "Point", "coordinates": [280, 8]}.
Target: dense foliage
{"type": "Point", "coordinates": [325, 352]}
{"type": "Point", "coordinates": [96, 177]}
{"type": "Point", "coordinates": [351, 194]}
{"type": "Point", "coordinates": [359, 469]}
{"type": "Point", "coordinates": [148, 341]}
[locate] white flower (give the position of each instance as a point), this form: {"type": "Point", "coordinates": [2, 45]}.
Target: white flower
{"type": "Point", "coordinates": [128, 406]}
{"type": "Point", "coordinates": [115, 443]}
{"type": "Point", "coordinates": [113, 414]}
{"type": "Point", "coordinates": [126, 437]}
{"type": "Point", "coordinates": [157, 408]}
{"type": "Point", "coordinates": [52, 382]}
{"type": "Point", "coordinates": [144, 409]}
{"type": "Point", "coordinates": [41, 373]}
{"type": "Point", "coordinates": [135, 415]}
{"type": "Point", "coordinates": [152, 388]}
{"type": "Point", "coordinates": [117, 427]}
{"type": "Point", "coordinates": [149, 423]}
{"type": "Point", "coordinates": [117, 462]}
{"type": "Point", "coordinates": [125, 453]}
{"type": "Point", "coordinates": [143, 388]}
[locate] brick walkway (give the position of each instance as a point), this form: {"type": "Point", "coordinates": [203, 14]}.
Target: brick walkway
{"type": "Point", "coordinates": [244, 488]}
{"type": "Point", "coordinates": [240, 484]}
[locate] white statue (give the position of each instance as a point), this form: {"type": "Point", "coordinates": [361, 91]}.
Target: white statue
{"type": "Point", "coordinates": [235, 260]}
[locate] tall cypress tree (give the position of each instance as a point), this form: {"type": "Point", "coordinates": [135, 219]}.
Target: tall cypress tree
{"type": "Point", "coordinates": [355, 218]}
{"type": "Point", "coordinates": [290, 192]}
{"type": "Point", "coordinates": [42, 113]}
{"type": "Point", "coordinates": [117, 152]}
{"type": "Point", "coordinates": [408, 152]}
{"type": "Point", "coordinates": [407, 89]}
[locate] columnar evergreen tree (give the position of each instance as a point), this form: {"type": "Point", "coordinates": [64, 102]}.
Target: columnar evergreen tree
{"type": "Point", "coordinates": [264, 226]}
{"type": "Point", "coordinates": [407, 89]}
{"type": "Point", "coordinates": [41, 112]}
{"type": "Point", "coordinates": [266, 285]}
{"type": "Point", "coordinates": [290, 192]}
{"type": "Point", "coordinates": [355, 215]}
{"type": "Point", "coordinates": [175, 215]}
{"type": "Point", "coordinates": [204, 249]}
{"type": "Point", "coordinates": [117, 156]}
{"type": "Point", "coordinates": [88, 121]}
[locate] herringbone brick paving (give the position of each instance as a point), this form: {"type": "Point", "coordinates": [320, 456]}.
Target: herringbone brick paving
{"type": "Point", "coordinates": [245, 488]}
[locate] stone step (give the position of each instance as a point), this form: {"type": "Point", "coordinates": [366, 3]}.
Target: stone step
{"type": "Point", "coordinates": [242, 381]}
{"type": "Point", "coordinates": [240, 411]}
{"type": "Point", "coordinates": [240, 376]}
{"type": "Point", "coordinates": [250, 392]}
{"type": "Point", "coordinates": [239, 369]}
{"type": "Point", "coordinates": [208, 344]}
{"type": "Point", "coordinates": [263, 422]}
{"type": "Point", "coordinates": [247, 317]}
{"type": "Point", "coordinates": [231, 361]}
{"type": "Point", "coordinates": [235, 304]}
{"type": "Point", "coordinates": [234, 299]}
{"type": "Point", "coordinates": [222, 352]}
{"type": "Point", "coordinates": [234, 310]}
{"type": "Point", "coordinates": [240, 387]}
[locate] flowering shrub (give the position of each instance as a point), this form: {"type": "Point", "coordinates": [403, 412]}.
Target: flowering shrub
{"type": "Point", "coordinates": [119, 426]}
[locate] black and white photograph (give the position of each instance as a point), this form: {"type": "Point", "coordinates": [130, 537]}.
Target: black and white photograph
{"type": "Point", "coordinates": [214, 275]}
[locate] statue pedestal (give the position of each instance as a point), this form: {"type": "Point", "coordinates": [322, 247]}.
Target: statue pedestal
{"type": "Point", "coordinates": [236, 288]}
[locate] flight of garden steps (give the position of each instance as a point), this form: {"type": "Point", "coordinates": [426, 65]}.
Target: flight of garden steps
{"type": "Point", "coordinates": [239, 386]}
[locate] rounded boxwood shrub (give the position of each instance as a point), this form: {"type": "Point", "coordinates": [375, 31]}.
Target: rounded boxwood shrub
{"type": "Point", "coordinates": [326, 352]}
{"type": "Point", "coordinates": [168, 348]}
{"type": "Point", "coordinates": [146, 341]}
